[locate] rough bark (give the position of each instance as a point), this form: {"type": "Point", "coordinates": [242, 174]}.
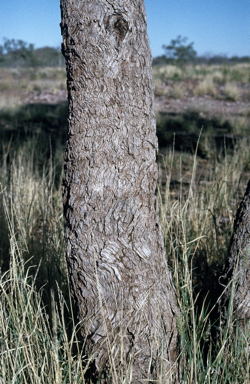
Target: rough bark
{"type": "Point", "coordinates": [120, 281]}
{"type": "Point", "coordinates": [238, 268]}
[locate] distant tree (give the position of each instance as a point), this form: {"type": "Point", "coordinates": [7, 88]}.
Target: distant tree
{"type": "Point", "coordinates": [244, 59]}
{"type": "Point", "coordinates": [220, 59]}
{"type": "Point", "coordinates": [50, 57]}
{"type": "Point", "coordinates": [179, 52]}
{"type": "Point", "coordinates": [17, 53]}
{"type": "Point", "coordinates": [2, 59]}
{"type": "Point", "coordinates": [159, 60]}
{"type": "Point", "coordinates": [14, 46]}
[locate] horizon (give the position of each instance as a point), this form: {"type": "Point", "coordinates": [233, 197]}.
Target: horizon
{"type": "Point", "coordinates": [206, 55]}
{"type": "Point", "coordinates": [213, 28]}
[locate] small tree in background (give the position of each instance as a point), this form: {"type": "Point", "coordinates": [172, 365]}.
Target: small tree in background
{"type": "Point", "coordinates": [179, 52]}
{"type": "Point", "coordinates": [17, 53]}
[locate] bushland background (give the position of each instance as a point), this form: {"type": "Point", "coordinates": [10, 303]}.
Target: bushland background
{"type": "Point", "coordinates": [202, 106]}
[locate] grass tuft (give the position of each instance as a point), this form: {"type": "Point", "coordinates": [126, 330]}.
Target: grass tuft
{"type": "Point", "coordinates": [199, 188]}
{"type": "Point", "coordinates": [39, 339]}
{"type": "Point", "coordinates": [231, 91]}
{"type": "Point", "coordinates": [206, 87]}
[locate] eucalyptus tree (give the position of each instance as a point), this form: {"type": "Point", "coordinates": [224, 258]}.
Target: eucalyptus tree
{"type": "Point", "coordinates": [121, 285]}
{"type": "Point", "coordinates": [236, 300]}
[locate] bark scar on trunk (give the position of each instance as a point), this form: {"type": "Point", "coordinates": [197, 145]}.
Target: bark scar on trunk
{"type": "Point", "coordinates": [118, 25]}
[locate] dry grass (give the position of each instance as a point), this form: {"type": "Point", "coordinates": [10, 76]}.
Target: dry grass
{"type": "Point", "coordinates": [20, 80]}
{"type": "Point", "coordinates": [40, 346]}
{"type": "Point", "coordinates": [36, 346]}
{"type": "Point", "coordinates": [16, 83]}
{"type": "Point", "coordinates": [207, 80]}
{"type": "Point", "coordinates": [198, 200]}
{"type": "Point", "coordinates": [160, 88]}
{"type": "Point", "coordinates": [231, 91]}
{"type": "Point", "coordinates": [178, 91]}
{"type": "Point", "coordinates": [168, 72]}
{"type": "Point", "coordinates": [206, 87]}
{"type": "Point", "coordinates": [197, 220]}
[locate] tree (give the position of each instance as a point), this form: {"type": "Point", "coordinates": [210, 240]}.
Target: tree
{"type": "Point", "coordinates": [17, 53]}
{"type": "Point", "coordinates": [121, 285]}
{"type": "Point", "coordinates": [237, 296]}
{"type": "Point", "coordinates": [179, 52]}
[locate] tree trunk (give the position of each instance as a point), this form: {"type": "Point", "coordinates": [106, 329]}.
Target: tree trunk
{"type": "Point", "coordinates": [121, 285]}
{"type": "Point", "coordinates": [238, 268]}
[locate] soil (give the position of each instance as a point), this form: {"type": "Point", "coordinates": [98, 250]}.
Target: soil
{"type": "Point", "coordinates": [207, 107]}
{"type": "Point", "coordinates": [45, 97]}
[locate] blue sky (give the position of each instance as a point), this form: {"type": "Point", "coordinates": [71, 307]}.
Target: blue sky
{"type": "Point", "coordinates": [215, 26]}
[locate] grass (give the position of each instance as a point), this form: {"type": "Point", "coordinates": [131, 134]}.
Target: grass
{"type": "Point", "coordinates": [177, 92]}
{"type": "Point", "coordinates": [231, 91]}
{"type": "Point", "coordinates": [39, 338]}
{"type": "Point", "coordinates": [216, 81]}
{"type": "Point", "coordinates": [27, 79]}
{"type": "Point", "coordinates": [35, 344]}
{"type": "Point", "coordinates": [219, 73]}
{"type": "Point", "coordinates": [198, 191]}
{"type": "Point", "coordinates": [215, 97]}
{"type": "Point", "coordinates": [197, 219]}
{"type": "Point", "coordinates": [206, 87]}
{"type": "Point", "coordinates": [17, 82]}
{"type": "Point", "coordinates": [31, 100]}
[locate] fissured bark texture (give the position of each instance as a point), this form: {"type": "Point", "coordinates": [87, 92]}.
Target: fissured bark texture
{"type": "Point", "coordinates": [238, 268]}
{"type": "Point", "coordinates": [121, 284]}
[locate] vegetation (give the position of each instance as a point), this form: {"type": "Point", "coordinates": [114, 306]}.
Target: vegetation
{"type": "Point", "coordinates": [179, 52]}
{"type": "Point", "coordinates": [202, 177]}
{"type": "Point", "coordinates": [39, 338]}
{"type": "Point", "coordinates": [18, 53]}
{"type": "Point", "coordinates": [214, 97]}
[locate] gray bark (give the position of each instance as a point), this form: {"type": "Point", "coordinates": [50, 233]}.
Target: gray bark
{"type": "Point", "coordinates": [120, 281]}
{"type": "Point", "coordinates": [238, 268]}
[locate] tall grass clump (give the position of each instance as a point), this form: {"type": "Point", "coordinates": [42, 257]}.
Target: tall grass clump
{"type": "Point", "coordinates": [231, 91]}
{"type": "Point", "coordinates": [197, 222]}
{"type": "Point", "coordinates": [38, 336]}
{"type": "Point", "coordinates": [198, 200]}
{"type": "Point", "coordinates": [35, 205]}
{"type": "Point", "coordinates": [206, 87]}
{"type": "Point", "coordinates": [35, 348]}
